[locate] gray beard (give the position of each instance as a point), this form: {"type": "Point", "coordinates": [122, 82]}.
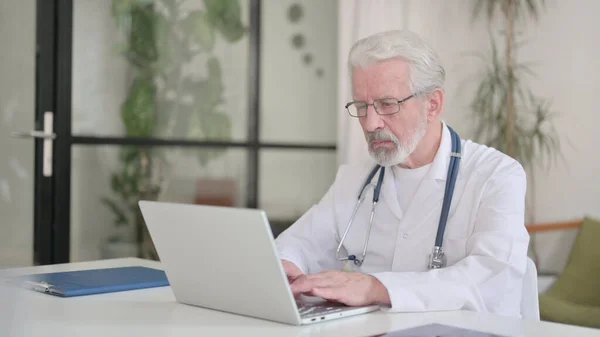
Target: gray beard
{"type": "Point", "coordinates": [397, 155]}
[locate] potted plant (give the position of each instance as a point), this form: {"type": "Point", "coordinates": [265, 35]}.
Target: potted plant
{"type": "Point", "coordinates": [160, 40]}
{"type": "Point", "coordinates": [508, 115]}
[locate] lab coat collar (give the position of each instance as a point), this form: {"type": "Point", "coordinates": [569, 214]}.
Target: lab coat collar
{"type": "Point", "coordinates": [431, 190]}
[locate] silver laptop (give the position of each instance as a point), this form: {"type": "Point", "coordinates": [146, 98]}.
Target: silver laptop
{"type": "Point", "coordinates": [225, 259]}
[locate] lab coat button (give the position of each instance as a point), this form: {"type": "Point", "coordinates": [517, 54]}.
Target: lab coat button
{"type": "Point", "coordinates": [405, 235]}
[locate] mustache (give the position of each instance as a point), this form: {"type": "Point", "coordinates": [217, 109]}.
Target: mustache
{"type": "Point", "coordinates": [381, 136]}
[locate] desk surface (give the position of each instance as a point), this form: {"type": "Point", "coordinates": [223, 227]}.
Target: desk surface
{"type": "Point", "coordinates": [154, 312]}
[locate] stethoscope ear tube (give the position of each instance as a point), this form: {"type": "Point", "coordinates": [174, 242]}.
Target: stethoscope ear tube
{"type": "Point", "coordinates": [452, 175]}
{"type": "Point", "coordinates": [368, 181]}
{"type": "Point", "coordinates": [378, 187]}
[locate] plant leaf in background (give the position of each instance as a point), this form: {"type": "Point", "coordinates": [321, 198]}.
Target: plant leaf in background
{"type": "Point", "coordinates": [211, 91]}
{"type": "Point", "coordinates": [120, 217]}
{"type": "Point", "coordinates": [142, 47]}
{"type": "Point", "coordinates": [205, 126]}
{"type": "Point", "coordinates": [199, 27]}
{"type": "Point", "coordinates": [225, 15]}
{"type": "Point", "coordinates": [165, 100]}
{"type": "Point", "coordinates": [138, 110]}
{"type": "Point", "coordinates": [215, 126]}
{"type": "Point", "coordinates": [208, 95]}
{"type": "Point", "coordinates": [537, 141]}
{"type": "Point", "coordinates": [526, 133]}
{"type": "Point", "coordinates": [164, 41]}
{"type": "Point", "coordinates": [523, 8]}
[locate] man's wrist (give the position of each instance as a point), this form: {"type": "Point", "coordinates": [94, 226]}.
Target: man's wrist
{"type": "Point", "coordinates": [380, 292]}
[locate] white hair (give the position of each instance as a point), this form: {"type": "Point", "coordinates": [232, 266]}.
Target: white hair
{"type": "Point", "coordinates": [426, 72]}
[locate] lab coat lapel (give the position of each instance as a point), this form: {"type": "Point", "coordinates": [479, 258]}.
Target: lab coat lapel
{"type": "Point", "coordinates": [430, 194]}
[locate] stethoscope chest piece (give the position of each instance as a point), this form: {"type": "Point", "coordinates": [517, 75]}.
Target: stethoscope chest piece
{"type": "Point", "coordinates": [437, 259]}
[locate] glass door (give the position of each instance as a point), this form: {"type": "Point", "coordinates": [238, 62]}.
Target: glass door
{"type": "Point", "coordinates": [28, 119]}
{"type": "Point", "coordinates": [17, 105]}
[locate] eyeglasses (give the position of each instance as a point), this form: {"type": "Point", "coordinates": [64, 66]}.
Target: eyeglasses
{"type": "Point", "coordinates": [383, 106]}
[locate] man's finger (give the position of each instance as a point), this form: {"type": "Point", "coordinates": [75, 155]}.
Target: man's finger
{"type": "Point", "coordinates": [323, 274]}
{"type": "Point", "coordinates": [330, 294]}
{"type": "Point", "coordinates": [305, 284]}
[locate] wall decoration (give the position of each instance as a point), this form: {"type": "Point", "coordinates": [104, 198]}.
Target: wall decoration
{"type": "Point", "coordinates": [298, 41]}
{"type": "Point", "coordinates": [295, 15]}
{"type": "Point", "coordinates": [308, 58]}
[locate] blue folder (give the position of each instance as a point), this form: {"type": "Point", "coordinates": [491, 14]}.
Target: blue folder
{"type": "Point", "coordinates": [96, 281]}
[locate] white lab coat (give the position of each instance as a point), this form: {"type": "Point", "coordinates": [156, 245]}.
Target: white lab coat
{"type": "Point", "coordinates": [485, 240]}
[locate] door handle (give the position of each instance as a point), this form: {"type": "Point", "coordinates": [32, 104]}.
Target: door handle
{"type": "Point", "coordinates": [48, 136]}
{"type": "Point", "coordinates": [33, 134]}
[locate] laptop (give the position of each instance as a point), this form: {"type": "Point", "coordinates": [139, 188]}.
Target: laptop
{"type": "Point", "coordinates": [224, 258]}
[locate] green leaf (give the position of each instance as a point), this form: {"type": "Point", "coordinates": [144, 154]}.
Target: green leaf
{"type": "Point", "coordinates": [142, 39]}
{"type": "Point", "coordinates": [523, 9]}
{"type": "Point", "coordinates": [137, 111]}
{"type": "Point", "coordinates": [211, 91]}
{"type": "Point", "coordinates": [120, 217]}
{"type": "Point", "coordinates": [197, 24]}
{"type": "Point", "coordinates": [215, 126]}
{"type": "Point", "coordinates": [225, 15]}
{"type": "Point", "coordinates": [207, 93]}
{"type": "Point", "coordinates": [115, 183]}
{"type": "Point", "coordinates": [128, 154]}
{"type": "Point", "coordinates": [182, 119]}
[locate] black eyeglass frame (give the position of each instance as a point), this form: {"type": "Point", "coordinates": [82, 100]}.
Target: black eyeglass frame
{"type": "Point", "coordinates": [366, 105]}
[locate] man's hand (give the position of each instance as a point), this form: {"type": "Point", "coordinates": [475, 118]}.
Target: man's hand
{"type": "Point", "coordinates": [353, 289]}
{"type": "Point", "coordinates": [291, 270]}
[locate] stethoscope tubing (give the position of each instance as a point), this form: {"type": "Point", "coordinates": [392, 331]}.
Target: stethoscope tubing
{"type": "Point", "coordinates": [453, 168]}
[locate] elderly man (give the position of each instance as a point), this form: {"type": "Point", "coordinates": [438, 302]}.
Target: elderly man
{"type": "Point", "coordinates": [442, 222]}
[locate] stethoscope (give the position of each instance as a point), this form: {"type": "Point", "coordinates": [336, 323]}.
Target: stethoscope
{"type": "Point", "coordinates": [437, 258]}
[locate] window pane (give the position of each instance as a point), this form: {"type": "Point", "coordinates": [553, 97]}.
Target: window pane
{"type": "Point", "coordinates": [161, 70]}
{"type": "Point", "coordinates": [291, 181]}
{"type": "Point", "coordinates": [103, 221]}
{"type": "Point", "coordinates": [17, 99]}
{"type": "Point", "coordinates": [298, 92]}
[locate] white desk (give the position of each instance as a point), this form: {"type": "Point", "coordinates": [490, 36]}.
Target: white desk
{"type": "Point", "coordinates": [154, 312]}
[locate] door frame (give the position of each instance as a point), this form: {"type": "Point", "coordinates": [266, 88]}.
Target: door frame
{"type": "Point", "coordinates": [52, 93]}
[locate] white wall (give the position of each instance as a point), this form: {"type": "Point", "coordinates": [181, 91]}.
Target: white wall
{"type": "Point", "coordinates": [564, 47]}
{"type": "Point", "coordinates": [296, 106]}
{"type": "Point", "coordinates": [17, 98]}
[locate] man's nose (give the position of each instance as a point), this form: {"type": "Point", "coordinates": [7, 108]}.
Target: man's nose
{"type": "Point", "coordinates": [372, 121]}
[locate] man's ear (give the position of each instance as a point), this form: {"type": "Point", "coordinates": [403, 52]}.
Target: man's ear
{"type": "Point", "coordinates": [435, 101]}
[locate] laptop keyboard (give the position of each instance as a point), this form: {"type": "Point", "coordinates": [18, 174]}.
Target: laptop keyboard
{"type": "Point", "coordinates": [322, 308]}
